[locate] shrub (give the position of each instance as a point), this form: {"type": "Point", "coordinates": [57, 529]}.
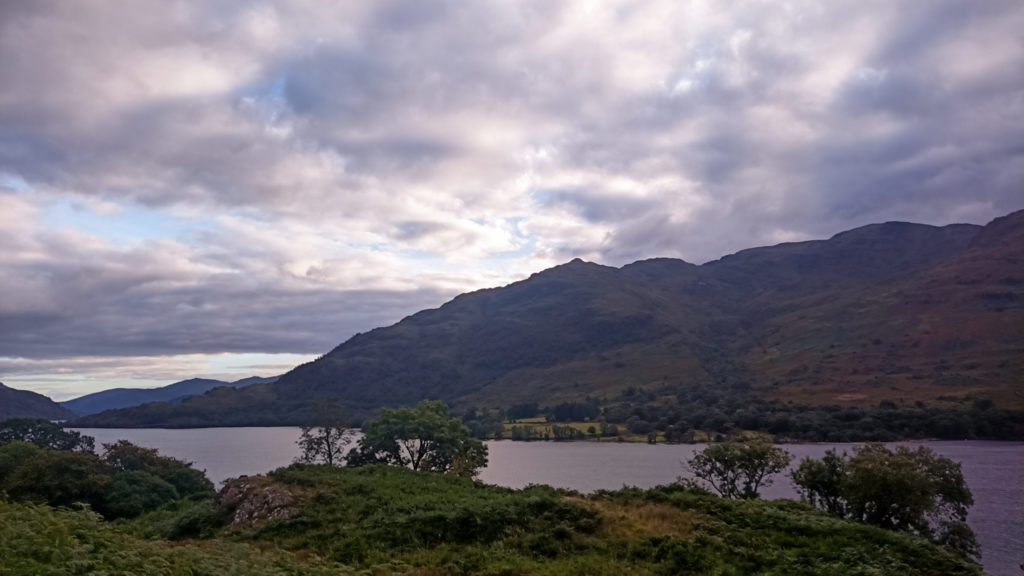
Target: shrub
{"type": "Point", "coordinates": [134, 492]}
{"type": "Point", "coordinates": [123, 456]}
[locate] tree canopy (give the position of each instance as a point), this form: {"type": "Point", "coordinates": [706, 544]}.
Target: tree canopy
{"type": "Point", "coordinates": [422, 438]}
{"type": "Point", "coordinates": [912, 490]}
{"type": "Point", "coordinates": [56, 477]}
{"type": "Point", "coordinates": [127, 481]}
{"type": "Point", "coordinates": [45, 434]}
{"type": "Point", "coordinates": [124, 457]}
{"type": "Point", "coordinates": [739, 469]}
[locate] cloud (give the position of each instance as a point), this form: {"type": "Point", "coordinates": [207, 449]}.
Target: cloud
{"type": "Point", "coordinates": [318, 168]}
{"type": "Point", "coordinates": [66, 378]}
{"type": "Point", "coordinates": [72, 294]}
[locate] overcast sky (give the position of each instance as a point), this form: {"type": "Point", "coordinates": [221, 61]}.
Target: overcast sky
{"type": "Point", "coordinates": [224, 188]}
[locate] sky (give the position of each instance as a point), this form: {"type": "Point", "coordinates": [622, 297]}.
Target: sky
{"type": "Point", "coordinates": [223, 188]}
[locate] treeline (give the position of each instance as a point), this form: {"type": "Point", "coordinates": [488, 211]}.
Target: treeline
{"type": "Point", "coordinates": [709, 410]}
{"type": "Point", "coordinates": [491, 423]}
{"type": "Point", "coordinates": [557, 432]}
{"type": "Point", "coordinates": [40, 462]}
{"type": "Point", "coordinates": [677, 414]}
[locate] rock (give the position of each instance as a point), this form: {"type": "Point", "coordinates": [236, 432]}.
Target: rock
{"type": "Point", "coordinates": [255, 500]}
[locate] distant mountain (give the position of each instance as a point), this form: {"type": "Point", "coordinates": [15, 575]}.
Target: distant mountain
{"type": "Point", "coordinates": [25, 404]}
{"type": "Point", "coordinates": [887, 312]}
{"type": "Point", "coordinates": [253, 380]}
{"type": "Point", "coordinates": [127, 397]}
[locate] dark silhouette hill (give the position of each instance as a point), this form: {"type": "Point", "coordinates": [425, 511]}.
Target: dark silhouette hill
{"type": "Point", "coordinates": [174, 393]}
{"type": "Point", "coordinates": [893, 311]}
{"type": "Point", "coordinates": [25, 404]}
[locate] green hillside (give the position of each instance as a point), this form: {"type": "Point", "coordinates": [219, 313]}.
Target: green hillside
{"type": "Point", "coordinates": [379, 520]}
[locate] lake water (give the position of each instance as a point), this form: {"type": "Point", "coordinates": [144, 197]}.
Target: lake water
{"type": "Point", "coordinates": [993, 470]}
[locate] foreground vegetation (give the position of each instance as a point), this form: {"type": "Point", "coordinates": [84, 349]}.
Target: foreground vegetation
{"type": "Point", "coordinates": [408, 504]}
{"type": "Point", "coordinates": [389, 520]}
{"type": "Point", "coordinates": [41, 462]}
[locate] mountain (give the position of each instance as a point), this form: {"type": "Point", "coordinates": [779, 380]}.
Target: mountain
{"type": "Point", "coordinates": [895, 312]}
{"type": "Point", "coordinates": [127, 397]}
{"type": "Point", "coordinates": [252, 380]}
{"type": "Point", "coordinates": [25, 404]}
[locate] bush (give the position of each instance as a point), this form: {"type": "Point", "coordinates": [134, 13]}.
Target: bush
{"type": "Point", "coordinates": [54, 477]}
{"type": "Point", "coordinates": [187, 518]}
{"type": "Point", "coordinates": [638, 426]}
{"type": "Point", "coordinates": [134, 492]}
{"type": "Point", "coordinates": [126, 482]}
{"type": "Point", "coordinates": [123, 456]}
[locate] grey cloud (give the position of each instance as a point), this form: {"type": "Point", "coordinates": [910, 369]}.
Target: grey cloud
{"type": "Point", "coordinates": [113, 316]}
{"type": "Point", "coordinates": [65, 297]}
{"type": "Point", "coordinates": [753, 126]}
{"type": "Point", "coordinates": [913, 33]}
{"type": "Point", "coordinates": [415, 230]}
{"type": "Point", "coordinates": [600, 208]}
{"type": "Point", "coordinates": [365, 100]}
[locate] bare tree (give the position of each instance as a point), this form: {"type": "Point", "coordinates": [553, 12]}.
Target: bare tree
{"type": "Point", "coordinates": [327, 438]}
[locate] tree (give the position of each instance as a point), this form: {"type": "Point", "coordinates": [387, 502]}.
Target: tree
{"type": "Point", "coordinates": [739, 469]}
{"type": "Point", "coordinates": [127, 481]}
{"type": "Point", "coordinates": [54, 477]}
{"type": "Point", "coordinates": [124, 457]}
{"type": "Point", "coordinates": [45, 434]}
{"type": "Point", "coordinates": [520, 411]}
{"type": "Point", "coordinates": [422, 438]}
{"type": "Point", "coordinates": [820, 482]}
{"type": "Point", "coordinates": [327, 437]}
{"type": "Point", "coordinates": [914, 491]}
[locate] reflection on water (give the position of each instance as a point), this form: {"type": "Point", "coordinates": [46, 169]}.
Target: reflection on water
{"type": "Point", "coordinates": [993, 470]}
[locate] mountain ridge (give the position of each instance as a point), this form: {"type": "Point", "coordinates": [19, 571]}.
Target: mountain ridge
{"type": "Point", "coordinates": [16, 403]}
{"type": "Point", "coordinates": [855, 319]}
{"type": "Point", "coordinates": [115, 398]}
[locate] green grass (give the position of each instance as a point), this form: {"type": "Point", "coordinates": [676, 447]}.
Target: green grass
{"type": "Point", "coordinates": [42, 541]}
{"type": "Point", "coordinates": [379, 520]}
{"type": "Point", "coordinates": [367, 517]}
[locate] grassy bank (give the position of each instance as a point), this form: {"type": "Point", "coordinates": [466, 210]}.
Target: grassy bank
{"type": "Point", "coordinates": [380, 520]}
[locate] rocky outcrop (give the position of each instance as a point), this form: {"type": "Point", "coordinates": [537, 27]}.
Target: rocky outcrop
{"type": "Point", "coordinates": [255, 500]}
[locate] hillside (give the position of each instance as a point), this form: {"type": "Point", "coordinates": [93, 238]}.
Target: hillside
{"type": "Point", "coordinates": [25, 404]}
{"type": "Point", "coordinates": [381, 520]}
{"type": "Point", "coordinates": [892, 312]}
{"type": "Point", "coordinates": [126, 397]}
